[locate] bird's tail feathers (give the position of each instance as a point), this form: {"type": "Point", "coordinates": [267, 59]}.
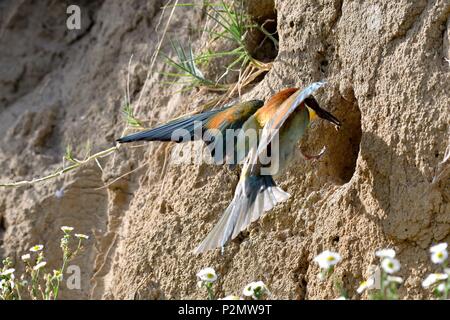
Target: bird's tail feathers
{"type": "Point", "coordinates": [254, 195]}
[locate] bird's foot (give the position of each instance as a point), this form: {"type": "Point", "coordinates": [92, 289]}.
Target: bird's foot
{"type": "Point", "coordinates": [314, 157]}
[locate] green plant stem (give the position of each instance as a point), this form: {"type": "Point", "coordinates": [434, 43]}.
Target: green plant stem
{"type": "Point", "coordinates": [58, 281]}
{"type": "Point", "coordinates": [76, 164]}
{"type": "Point", "coordinates": [382, 287]}
{"type": "Point", "coordinates": [338, 285]}
{"type": "Point", "coordinates": [19, 296]}
{"type": "Point", "coordinates": [210, 291]}
{"type": "Point", "coordinates": [446, 289]}
{"type": "Point", "coordinates": [447, 284]}
{"type": "Point", "coordinates": [34, 283]}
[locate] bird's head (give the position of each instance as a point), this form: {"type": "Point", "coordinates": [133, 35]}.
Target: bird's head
{"type": "Point", "coordinates": [315, 111]}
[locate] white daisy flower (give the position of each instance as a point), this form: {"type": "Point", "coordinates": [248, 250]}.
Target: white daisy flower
{"type": "Point", "coordinates": [248, 290]}
{"type": "Point", "coordinates": [26, 257]}
{"type": "Point", "coordinates": [39, 265]}
{"type": "Point", "coordinates": [433, 278]}
{"type": "Point", "coordinates": [207, 275]}
{"type": "Point", "coordinates": [385, 253]}
{"type": "Point", "coordinates": [439, 247]}
{"type": "Point", "coordinates": [341, 298]}
{"type": "Point", "coordinates": [259, 288]}
{"type": "Point", "coordinates": [8, 272]}
{"type": "Point", "coordinates": [366, 285]}
{"type": "Point", "coordinates": [81, 236]}
{"type": "Point", "coordinates": [439, 253]}
{"type": "Point", "coordinates": [390, 265]}
{"type": "Point", "coordinates": [66, 229]}
{"type": "Point", "coordinates": [439, 257]}
{"type": "Point", "coordinates": [231, 297]}
{"type": "Point", "coordinates": [327, 259]}
{"type": "Point", "coordinates": [255, 289]}
{"type": "Point", "coordinates": [37, 248]}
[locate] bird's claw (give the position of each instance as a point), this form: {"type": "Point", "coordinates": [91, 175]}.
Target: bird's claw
{"type": "Point", "coordinates": [315, 157]}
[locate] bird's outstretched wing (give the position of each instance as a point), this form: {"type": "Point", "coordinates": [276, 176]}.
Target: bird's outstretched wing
{"type": "Point", "coordinates": [230, 117]}
{"type": "Point", "coordinates": [283, 112]}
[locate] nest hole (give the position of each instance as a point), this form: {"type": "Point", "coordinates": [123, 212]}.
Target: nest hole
{"type": "Point", "coordinates": [343, 149]}
{"type": "Point", "coordinates": [2, 224]}
{"type": "Point", "coordinates": [2, 229]}
{"type": "Point", "coordinates": [263, 45]}
{"type": "Point", "coordinates": [338, 165]}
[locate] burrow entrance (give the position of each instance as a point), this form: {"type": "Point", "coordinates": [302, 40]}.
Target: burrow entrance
{"type": "Point", "coordinates": [342, 146]}
{"type": "Point", "coordinates": [263, 45]}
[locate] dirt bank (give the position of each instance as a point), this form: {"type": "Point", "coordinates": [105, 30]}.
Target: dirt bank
{"type": "Point", "coordinates": [388, 81]}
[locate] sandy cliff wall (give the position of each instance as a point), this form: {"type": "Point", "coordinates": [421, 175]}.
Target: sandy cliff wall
{"type": "Point", "coordinates": [388, 81]}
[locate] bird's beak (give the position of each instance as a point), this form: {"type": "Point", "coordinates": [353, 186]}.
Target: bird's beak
{"type": "Point", "coordinates": [312, 103]}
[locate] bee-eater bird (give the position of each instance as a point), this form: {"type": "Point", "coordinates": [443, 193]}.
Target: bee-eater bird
{"type": "Point", "coordinates": [220, 120]}
{"type": "Point", "coordinates": [285, 117]}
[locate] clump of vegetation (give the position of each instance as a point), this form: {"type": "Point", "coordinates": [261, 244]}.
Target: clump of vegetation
{"type": "Point", "coordinates": [36, 283]}
{"type": "Point", "coordinates": [382, 285]}
{"type": "Point", "coordinates": [130, 118]}
{"type": "Point", "coordinates": [231, 23]}
{"type": "Point", "coordinates": [254, 290]}
{"type": "Point", "coordinates": [187, 70]}
{"type": "Point", "coordinates": [327, 261]}
{"type": "Point", "coordinates": [206, 278]}
{"type": "Point", "coordinates": [385, 282]}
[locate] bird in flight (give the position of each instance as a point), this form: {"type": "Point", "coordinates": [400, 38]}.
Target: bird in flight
{"type": "Point", "coordinates": [283, 120]}
{"type": "Point", "coordinates": [278, 125]}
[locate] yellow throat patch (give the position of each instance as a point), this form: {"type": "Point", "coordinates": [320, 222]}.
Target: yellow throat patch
{"type": "Point", "coordinates": [312, 114]}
